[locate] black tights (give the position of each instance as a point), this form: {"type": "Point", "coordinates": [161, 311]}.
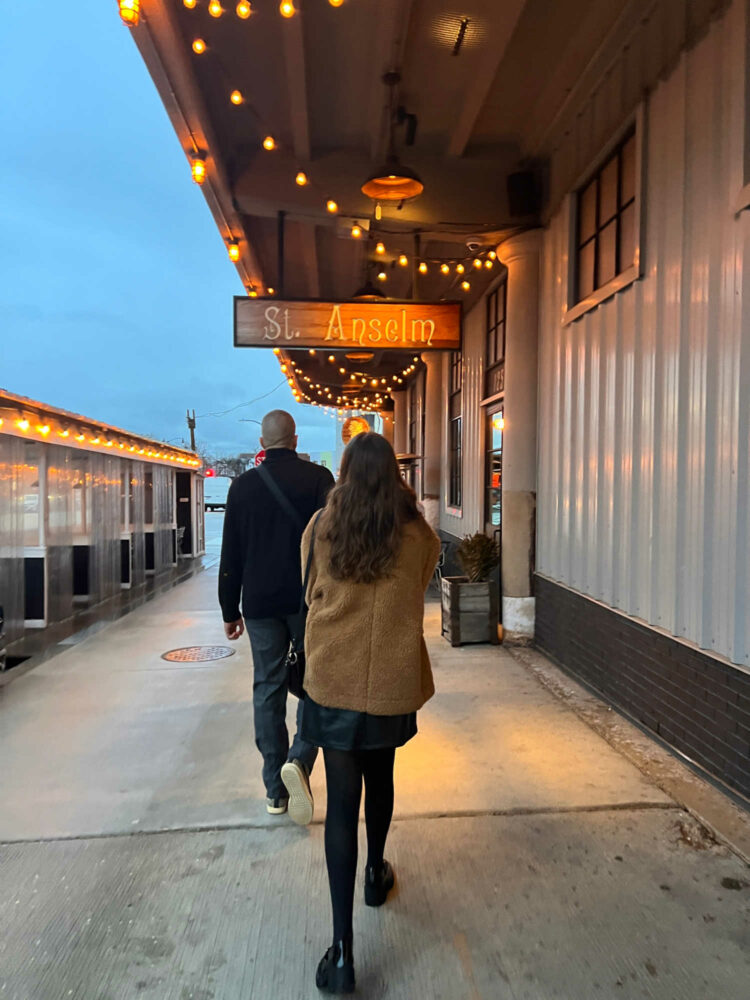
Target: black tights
{"type": "Point", "coordinates": [345, 770]}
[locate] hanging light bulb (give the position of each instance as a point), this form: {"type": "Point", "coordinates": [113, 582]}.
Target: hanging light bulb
{"type": "Point", "coordinates": [287, 8]}
{"type": "Point", "coordinates": [465, 285]}
{"type": "Point", "coordinates": [380, 247]}
{"type": "Point", "coordinates": [492, 255]}
{"type": "Point", "coordinates": [335, 3]}
{"type": "Point", "coordinates": [253, 295]}
{"type": "Point", "coordinates": [444, 268]}
{"type": "Point", "coordinates": [269, 143]}
{"type": "Point", "coordinates": [199, 46]}
{"type": "Point", "coordinates": [477, 262]}
{"type": "Point", "coordinates": [198, 169]}
{"type": "Point", "coordinates": [215, 9]}
{"type": "Point", "coordinates": [190, 4]}
{"type": "Point", "coordinates": [460, 269]}
{"type": "Point", "coordinates": [236, 97]}
{"type": "Point", "coordinates": [234, 252]}
{"type": "Point", "coordinates": [272, 291]}
{"type": "Point", "coordinates": [130, 12]}
{"type": "Point", "coordinates": [423, 268]}
{"type": "Point", "coordinates": [301, 178]}
{"type": "Point", "coordinates": [244, 10]}
{"type": "Point", "coordinates": [331, 206]}
{"type": "Point", "coordinates": [403, 259]}
{"type": "Point", "coordinates": [356, 231]}
{"type": "Point", "coordinates": [489, 264]}
{"type": "Point", "coordinates": [382, 275]}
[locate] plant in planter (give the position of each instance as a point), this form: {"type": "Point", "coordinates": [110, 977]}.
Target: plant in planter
{"type": "Point", "coordinates": [470, 603]}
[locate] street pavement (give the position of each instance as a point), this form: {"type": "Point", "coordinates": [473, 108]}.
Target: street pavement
{"type": "Point", "coordinates": [544, 848]}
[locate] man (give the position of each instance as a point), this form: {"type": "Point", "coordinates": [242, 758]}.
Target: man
{"type": "Point", "coordinates": [260, 560]}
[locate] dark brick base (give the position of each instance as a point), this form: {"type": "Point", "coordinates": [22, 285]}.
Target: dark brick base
{"type": "Point", "coordinates": [696, 703]}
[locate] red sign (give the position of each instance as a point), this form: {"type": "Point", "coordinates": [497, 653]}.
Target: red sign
{"type": "Point", "coordinates": [259, 457]}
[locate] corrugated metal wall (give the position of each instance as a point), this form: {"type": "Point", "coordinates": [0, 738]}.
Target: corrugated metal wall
{"type": "Point", "coordinates": [645, 401]}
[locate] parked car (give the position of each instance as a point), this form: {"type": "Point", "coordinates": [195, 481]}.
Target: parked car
{"type": "Point", "coordinates": [215, 491]}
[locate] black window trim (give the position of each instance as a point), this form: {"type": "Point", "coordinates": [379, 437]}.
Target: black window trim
{"type": "Point", "coordinates": [636, 123]}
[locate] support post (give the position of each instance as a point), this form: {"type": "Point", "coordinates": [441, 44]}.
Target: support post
{"type": "Point", "coordinates": [521, 255]}
{"type": "Point", "coordinates": [433, 416]}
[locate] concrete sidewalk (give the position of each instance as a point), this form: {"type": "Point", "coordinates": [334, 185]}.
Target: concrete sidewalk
{"type": "Point", "coordinates": [534, 858]}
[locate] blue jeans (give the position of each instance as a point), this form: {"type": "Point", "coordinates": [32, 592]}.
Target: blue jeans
{"type": "Point", "coordinates": [269, 641]}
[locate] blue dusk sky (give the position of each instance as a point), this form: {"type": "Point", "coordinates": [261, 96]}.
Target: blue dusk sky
{"type": "Point", "coordinates": [115, 286]}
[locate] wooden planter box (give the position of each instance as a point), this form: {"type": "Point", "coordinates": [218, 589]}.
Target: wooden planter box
{"type": "Point", "coordinates": [469, 610]}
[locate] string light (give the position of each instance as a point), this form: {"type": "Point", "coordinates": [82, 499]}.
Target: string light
{"type": "Point", "coordinates": [477, 262]}
{"type": "Point", "coordinates": [287, 8]}
{"type": "Point", "coordinates": [269, 143]}
{"type": "Point", "coordinates": [445, 268]}
{"type": "Point", "coordinates": [403, 259]}
{"type": "Point", "coordinates": [244, 10]}
{"type": "Point", "coordinates": [356, 230]}
{"type": "Point", "coordinates": [331, 206]}
{"type": "Point", "coordinates": [130, 12]}
{"type": "Point", "coordinates": [236, 97]}
{"type": "Point", "coordinates": [252, 293]}
{"type": "Point", "coordinates": [335, 3]}
{"type": "Point", "coordinates": [382, 275]}
{"type": "Point", "coordinates": [460, 269]}
{"type": "Point", "coordinates": [234, 252]}
{"type": "Point", "coordinates": [199, 46]}
{"type": "Point", "coordinates": [190, 4]}
{"type": "Point", "coordinates": [488, 264]}
{"type": "Point", "coordinates": [272, 291]}
{"type": "Point", "coordinates": [215, 9]}
{"type": "Point", "coordinates": [423, 268]}
{"type": "Point", "coordinates": [379, 247]}
{"type": "Point", "coordinates": [301, 178]}
{"type": "Point", "coordinates": [198, 169]}
{"type": "Point", "coordinates": [465, 285]}
{"type": "Point", "coordinates": [492, 255]}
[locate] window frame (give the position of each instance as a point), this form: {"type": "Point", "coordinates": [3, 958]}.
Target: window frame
{"type": "Point", "coordinates": [574, 309]}
{"type": "Point", "coordinates": [455, 434]}
{"type": "Point", "coordinates": [501, 288]}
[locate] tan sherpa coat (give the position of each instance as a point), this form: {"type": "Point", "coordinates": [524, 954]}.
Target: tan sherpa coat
{"type": "Point", "coordinates": [364, 645]}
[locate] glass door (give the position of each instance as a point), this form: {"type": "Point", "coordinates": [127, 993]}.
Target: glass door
{"type": "Point", "coordinates": [493, 491]}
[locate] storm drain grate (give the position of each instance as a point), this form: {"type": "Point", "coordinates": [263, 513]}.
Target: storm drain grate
{"type": "Point", "coordinates": [195, 654]}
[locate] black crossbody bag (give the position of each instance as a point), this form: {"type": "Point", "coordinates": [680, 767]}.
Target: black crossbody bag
{"type": "Point", "coordinates": [295, 657]}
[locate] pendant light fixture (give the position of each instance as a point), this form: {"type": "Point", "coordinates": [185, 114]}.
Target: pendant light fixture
{"type": "Point", "coordinates": [393, 181]}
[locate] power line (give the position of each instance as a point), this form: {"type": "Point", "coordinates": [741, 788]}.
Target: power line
{"type": "Point", "coordinates": [239, 406]}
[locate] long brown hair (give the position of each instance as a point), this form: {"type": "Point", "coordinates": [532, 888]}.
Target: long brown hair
{"type": "Point", "coordinates": [367, 510]}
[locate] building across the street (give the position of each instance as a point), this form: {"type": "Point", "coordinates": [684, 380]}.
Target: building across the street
{"type": "Point", "coordinates": [92, 517]}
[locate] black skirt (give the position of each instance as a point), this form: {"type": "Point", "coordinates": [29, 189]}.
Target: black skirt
{"type": "Point", "coordinates": [342, 729]}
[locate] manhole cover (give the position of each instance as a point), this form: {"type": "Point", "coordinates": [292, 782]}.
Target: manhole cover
{"type": "Point", "coordinates": [195, 654]}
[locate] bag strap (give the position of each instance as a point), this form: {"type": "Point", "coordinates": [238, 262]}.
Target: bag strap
{"type": "Point", "coordinates": [309, 562]}
{"type": "Point", "coordinates": [283, 500]}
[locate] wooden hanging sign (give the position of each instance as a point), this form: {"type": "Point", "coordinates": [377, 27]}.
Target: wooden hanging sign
{"type": "Point", "coordinates": [385, 325]}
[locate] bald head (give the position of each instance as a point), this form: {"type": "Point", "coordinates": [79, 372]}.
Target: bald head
{"type": "Point", "coordinates": [278, 430]}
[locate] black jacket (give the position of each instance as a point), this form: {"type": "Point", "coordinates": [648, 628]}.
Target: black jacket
{"type": "Point", "coordinates": [260, 549]}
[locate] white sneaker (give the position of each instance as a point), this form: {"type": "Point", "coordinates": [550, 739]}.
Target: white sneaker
{"type": "Point", "coordinates": [297, 783]}
{"type": "Point", "coordinates": [276, 806]}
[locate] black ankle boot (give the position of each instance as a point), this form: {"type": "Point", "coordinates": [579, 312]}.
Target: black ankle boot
{"type": "Point", "coordinates": [336, 969]}
{"type": "Point", "coordinates": [378, 883]}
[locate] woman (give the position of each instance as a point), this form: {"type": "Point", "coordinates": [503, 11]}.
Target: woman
{"type": "Point", "coordinates": [367, 670]}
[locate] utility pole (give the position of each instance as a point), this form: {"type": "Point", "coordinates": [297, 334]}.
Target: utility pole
{"type": "Point", "coordinates": [191, 428]}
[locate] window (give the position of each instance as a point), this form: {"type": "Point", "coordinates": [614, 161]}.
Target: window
{"type": "Point", "coordinates": [606, 216]}
{"type": "Point", "coordinates": [495, 349]}
{"type": "Point", "coordinates": [455, 482]}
